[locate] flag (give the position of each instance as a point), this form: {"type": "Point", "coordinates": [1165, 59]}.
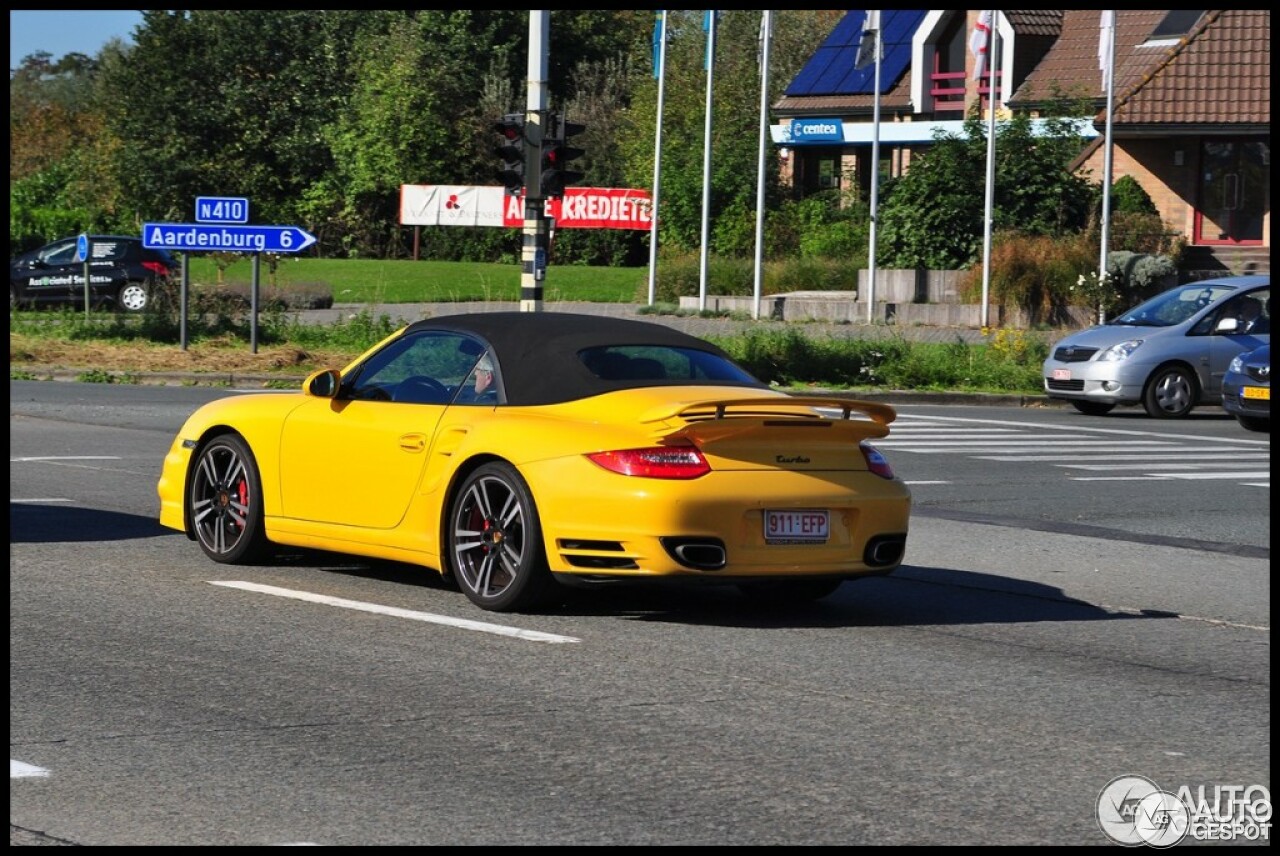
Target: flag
{"type": "Point", "coordinates": [657, 43]}
{"type": "Point", "coordinates": [710, 18]}
{"type": "Point", "coordinates": [766, 24]}
{"type": "Point", "coordinates": [1106, 38]}
{"type": "Point", "coordinates": [867, 47]}
{"type": "Point", "coordinates": [978, 43]}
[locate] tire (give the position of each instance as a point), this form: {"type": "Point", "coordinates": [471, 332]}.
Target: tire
{"type": "Point", "coordinates": [1254, 423]}
{"type": "Point", "coordinates": [787, 592]}
{"type": "Point", "coordinates": [133, 296]}
{"type": "Point", "coordinates": [224, 502]}
{"type": "Point", "coordinates": [493, 541]}
{"type": "Point", "coordinates": [1093, 408]}
{"type": "Point", "coordinates": [1171, 393]}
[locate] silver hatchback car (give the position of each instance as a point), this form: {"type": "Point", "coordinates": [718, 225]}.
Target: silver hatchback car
{"type": "Point", "coordinates": [1168, 354]}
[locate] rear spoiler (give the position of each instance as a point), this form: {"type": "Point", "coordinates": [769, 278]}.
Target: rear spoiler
{"type": "Point", "coordinates": [761, 407]}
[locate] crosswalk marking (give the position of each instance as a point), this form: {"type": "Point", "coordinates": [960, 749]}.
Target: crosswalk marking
{"type": "Point", "coordinates": [1087, 454]}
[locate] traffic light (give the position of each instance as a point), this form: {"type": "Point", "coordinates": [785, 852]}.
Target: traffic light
{"type": "Point", "coordinates": [511, 151]}
{"type": "Point", "coordinates": [557, 156]}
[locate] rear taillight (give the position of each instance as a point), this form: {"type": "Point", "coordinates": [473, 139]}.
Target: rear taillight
{"type": "Point", "coordinates": [156, 268]}
{"type": "Point", "coordinates": [876, 462]}
{"type": "Point", "coordinates": [657, 462]}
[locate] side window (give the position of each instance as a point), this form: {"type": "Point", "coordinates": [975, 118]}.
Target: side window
{"type": "Point", "coordinates": [1251, 312]}
{"type": "Point", "coordinates": [481, 384]}
{"type": "Point", "coordinates": [420, 368]}
{"type": "Point", "coordinates": [1262, 325]}
{"type": "Point", "coordinates": [59, 254]}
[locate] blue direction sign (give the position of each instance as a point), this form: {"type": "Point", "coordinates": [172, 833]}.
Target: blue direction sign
{"type": "Point", "coordinates": [222, 209]}
{"type": "Point", "coordinates": [82, 248]}
{"type": "Point", "coordinates": [205, 238]}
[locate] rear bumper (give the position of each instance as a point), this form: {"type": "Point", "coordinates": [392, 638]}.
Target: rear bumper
{"type": "Point", "coordinates": [713, 527]}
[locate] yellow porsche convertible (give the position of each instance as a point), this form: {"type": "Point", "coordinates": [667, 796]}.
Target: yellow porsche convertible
{"type": "Point", "coordinates": [514, 451]}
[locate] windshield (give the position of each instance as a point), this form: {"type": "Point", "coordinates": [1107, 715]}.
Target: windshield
{"type": "Point", "coordinates": [1173, 306]}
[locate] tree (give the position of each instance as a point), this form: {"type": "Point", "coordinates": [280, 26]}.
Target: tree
{"type": "Point", "coordinates": [932, 217]}
{"type": "Point", "coordinates": [735, 125]}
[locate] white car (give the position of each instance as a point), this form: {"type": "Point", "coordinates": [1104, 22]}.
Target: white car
{"type": "Point", "coordinates": [1168, 354]}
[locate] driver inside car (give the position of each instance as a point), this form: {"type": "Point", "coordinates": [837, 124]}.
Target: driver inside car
{"type": "Point", "coordinates": [479, 389]}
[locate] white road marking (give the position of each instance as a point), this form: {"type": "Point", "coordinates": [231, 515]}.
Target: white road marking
{"type": "Point", "coordinates": [1162, 466]}
{"type": "Point", "coordinates": [429, 617]}
{"type": "Point", "coordinates": [1014, 442]}
{"type": "Point", "coordinates": [1155, 454]}
{"type": "Point", "coordinates": [1090, 430]}
{"type": "Point", "coordinates": [64, 458]}
{"type": "Point", "coordinates": [1212, 455]}
{"type": "Point", "coordinates": [1261, 474]}
{"type": "Point", "coordinates": [19, 770]}
{"type": "Point", "coordinates": [39, 500]}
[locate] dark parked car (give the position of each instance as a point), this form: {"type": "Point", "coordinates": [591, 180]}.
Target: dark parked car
{"type": "Point", "coordinates": [122, 274]}
{"type": "Point", "coordinates": [1246, 389]}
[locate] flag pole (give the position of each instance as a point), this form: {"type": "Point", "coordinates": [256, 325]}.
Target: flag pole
{"type": "Point", "coordinates": [1108, 78]}
{"type": "Point", "coordinates": [992, 93]}
{"type": "Point", "coordinates": [875, 186]}
{"type": "Point", "coordinates": [766, 31]}
{"type": "Point", "coordinates": [706, 163]}
{"type": "Point", "coordinates": [660, 72]}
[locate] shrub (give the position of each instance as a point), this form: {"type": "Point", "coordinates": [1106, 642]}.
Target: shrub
{"type": "Point", "coordinates": [1137, 276]}
{"type": "Point", "coordinates": [1034, 273]}
{"type": "Point", "coordinates": [1127, 196]}
{"type": "Point", "coordinates": [1140, 232]}
{"type": "Point", "coordinates": [823, 225]}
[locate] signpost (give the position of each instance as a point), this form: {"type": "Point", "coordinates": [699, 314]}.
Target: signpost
{"type": "Point", "coordinates": [217, 232]}
{"type": "Point", "coordinates": [222, 209]}
{"type": "Point", "coordinates": [211, 238]}
{"type": "Point", "coordinates": [84, 250]}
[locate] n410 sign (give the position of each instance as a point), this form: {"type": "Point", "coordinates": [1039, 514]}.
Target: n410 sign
{"type": "Point", "coordinates": [222, 209]}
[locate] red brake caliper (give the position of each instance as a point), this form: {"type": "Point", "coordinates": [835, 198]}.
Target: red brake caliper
{"type": "Point", "coordinates": [242, 492]}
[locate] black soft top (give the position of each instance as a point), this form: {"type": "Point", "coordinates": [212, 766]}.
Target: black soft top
{"type": "Point", "coordinates": [536, 353]}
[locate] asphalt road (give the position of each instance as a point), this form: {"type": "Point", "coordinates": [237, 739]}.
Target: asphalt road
{"type": "Point", "coordinates": [983, 694]}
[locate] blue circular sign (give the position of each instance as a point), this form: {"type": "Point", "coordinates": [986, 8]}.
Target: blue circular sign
{"type": "Point", "coordinates": [82, 248]}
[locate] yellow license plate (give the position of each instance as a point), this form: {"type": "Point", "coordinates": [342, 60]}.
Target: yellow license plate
{"type": "Point", "coordinates": [1261, 393]}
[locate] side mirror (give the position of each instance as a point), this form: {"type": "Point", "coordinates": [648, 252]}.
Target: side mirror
{"type": "Point", "coordinates": [1227, 324]}
{"type": "Point", "coordinates": [322, 384]}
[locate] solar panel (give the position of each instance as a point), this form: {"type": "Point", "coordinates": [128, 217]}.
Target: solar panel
{"type": "Point", "coordinates": [830, 70]}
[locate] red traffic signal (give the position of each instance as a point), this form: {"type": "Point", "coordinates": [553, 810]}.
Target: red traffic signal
{"type": "Point", "coordinates": [557, 156]}
{"type": "Point", "coordinates": [511, 151]}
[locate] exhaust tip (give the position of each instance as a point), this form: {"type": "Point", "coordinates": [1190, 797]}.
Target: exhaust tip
{"type": "Point", "coordinates": [701, 554]}
{"type": "Point", "coordinates": [884, 550]}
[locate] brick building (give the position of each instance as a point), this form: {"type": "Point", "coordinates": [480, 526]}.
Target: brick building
{"type": "Point", "coordinates": [1191, 95]}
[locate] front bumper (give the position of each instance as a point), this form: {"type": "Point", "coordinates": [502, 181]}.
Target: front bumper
{"type": "Point", "coordinates": [1235, 403]}
{"type": "Point", "coordinates": [1109, 382]}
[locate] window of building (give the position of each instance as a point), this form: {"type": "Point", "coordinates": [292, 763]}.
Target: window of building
{"type": "Point", "coordinates": [1176, 24]}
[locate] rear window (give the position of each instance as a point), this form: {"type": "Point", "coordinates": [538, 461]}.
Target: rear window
{"type": "Point", "coordinates": [660, 363]}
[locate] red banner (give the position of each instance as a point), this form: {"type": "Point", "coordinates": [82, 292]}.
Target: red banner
{"type": "Point", "coordinates": [581, 207]}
